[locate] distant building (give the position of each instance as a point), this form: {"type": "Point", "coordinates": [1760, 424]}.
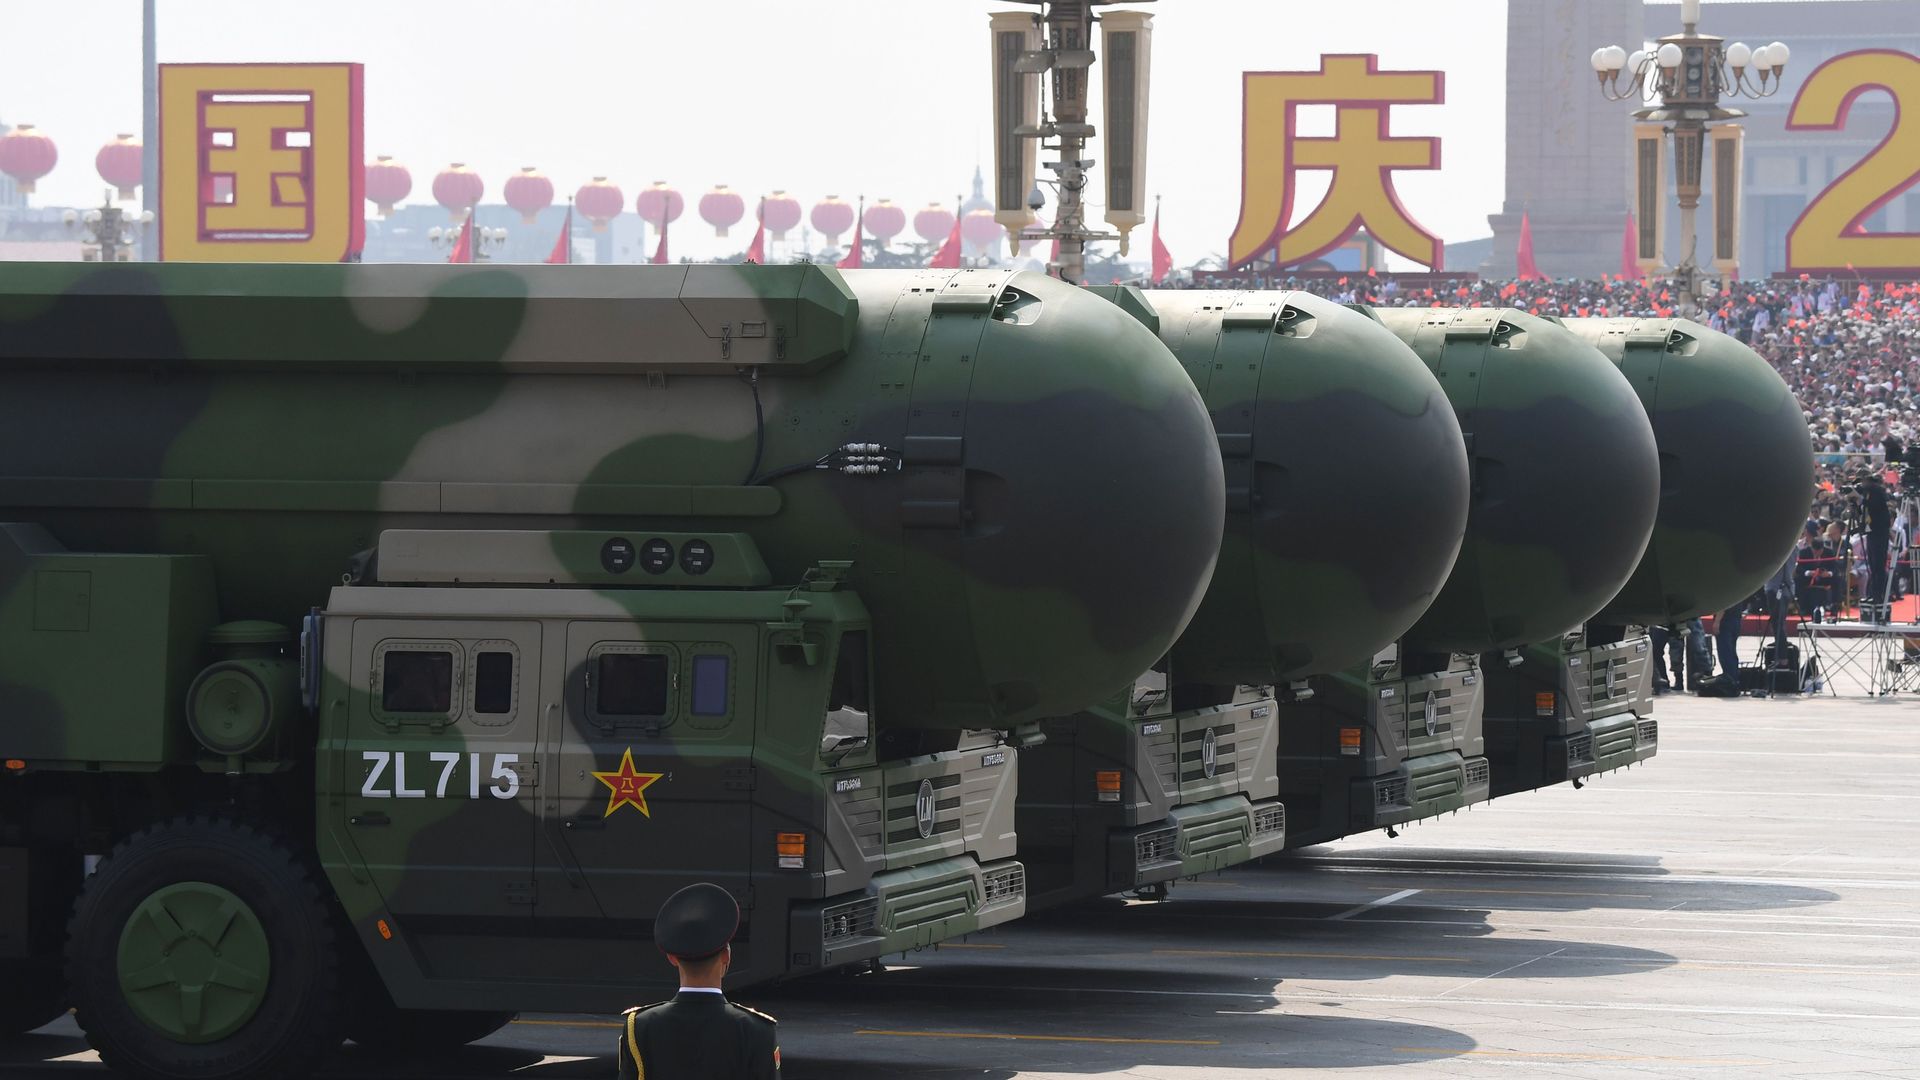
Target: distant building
{"type": "Point", "coordinates": [1568, 148]}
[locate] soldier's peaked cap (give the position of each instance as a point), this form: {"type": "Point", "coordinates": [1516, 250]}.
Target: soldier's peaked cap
{"type": "Point", "coordinates": [696, 922]}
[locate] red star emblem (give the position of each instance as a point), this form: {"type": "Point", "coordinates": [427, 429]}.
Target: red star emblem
{"type": "Point", "coordinates": [628, 787]}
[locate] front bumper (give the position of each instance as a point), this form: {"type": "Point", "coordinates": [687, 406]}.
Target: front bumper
{"type": "Point", "coordinates": [1421, 787]}
{"type": "Point", "coordinates": [1605, 745]}
{"type": "Point", "coordinates": [901, 910]}
{"type": "Point", "coordinates": [1195, 839]}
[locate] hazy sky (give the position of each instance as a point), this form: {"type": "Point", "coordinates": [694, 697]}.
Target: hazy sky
{"type": "Point", "coordinates": [889, 98]}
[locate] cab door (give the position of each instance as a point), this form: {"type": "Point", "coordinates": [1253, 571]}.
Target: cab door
{"type": "Point", "coordinates": [438, 801]}
{"type": "Point", "coordinates": [652, 784]}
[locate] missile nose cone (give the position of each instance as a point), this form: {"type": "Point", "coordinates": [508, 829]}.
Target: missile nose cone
{"type": "Point", "coordinates": [1736, 467]}
{"type": "Point", "coordinates": [1565, 477]}
{"type": "Point", "coordinates": [1092, 462]}
{"type": "Point", "coordinates": [1347, 483]}
{"type": "Point", "coordinates": [1366, 516]}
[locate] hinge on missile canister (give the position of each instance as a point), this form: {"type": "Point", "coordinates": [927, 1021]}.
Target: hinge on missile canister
{"type": "Point", "coordinates": [726, 340]}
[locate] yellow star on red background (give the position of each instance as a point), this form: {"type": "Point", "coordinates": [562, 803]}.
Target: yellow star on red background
{"type": "Point", "coordinates": [628, 787]}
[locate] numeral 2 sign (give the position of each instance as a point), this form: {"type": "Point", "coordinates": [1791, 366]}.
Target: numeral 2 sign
{"type": "Point", "coordinates": [1830, 235]}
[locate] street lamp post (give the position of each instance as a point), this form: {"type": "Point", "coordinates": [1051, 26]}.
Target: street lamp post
{"type": "Point", "coordinates": [108, 231]}
{"type": "Point", "coordinates": [484, 239]}
{"type": "Point", "coordinates": [1680, 84]}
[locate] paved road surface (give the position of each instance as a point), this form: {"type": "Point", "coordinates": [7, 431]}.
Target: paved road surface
{"type": "Point", "coordinates": [1734, 908]}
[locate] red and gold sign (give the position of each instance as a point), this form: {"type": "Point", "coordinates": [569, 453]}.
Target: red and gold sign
{"type": "Point", "coordinates": [260, 162]}
{"type": "Point", "coordinates": [1830, 235]}
{"type": "Point", "coordinates": [1362, 155]}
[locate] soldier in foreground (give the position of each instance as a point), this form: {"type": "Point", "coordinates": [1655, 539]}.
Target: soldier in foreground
{"type": "Point", "coordinates": [698, 1032]}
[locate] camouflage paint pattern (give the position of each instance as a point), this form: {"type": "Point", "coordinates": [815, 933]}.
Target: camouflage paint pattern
{"type": "Point", "coordinates": [270, 424]}
{"type": "Point", "coordinates": [1329, 428]}
{"type": "Point", "coordinates": [1736, 467]}
{"type": "Point", "coordinates": [1346, 483]}
{"type": "Point", "coordinates": [276, 419]}
{"type": "Point", "coordinates": [1565, 476]}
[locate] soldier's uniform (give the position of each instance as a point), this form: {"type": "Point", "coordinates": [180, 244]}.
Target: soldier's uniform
{"type": "Point", "coordinates": [698, 1033]}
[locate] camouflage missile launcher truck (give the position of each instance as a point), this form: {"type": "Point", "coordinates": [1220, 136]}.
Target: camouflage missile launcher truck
{"type": "Point", "coordinates": [403, 636]}
{"type": "Point", "coordinates": [1735, 467]}
{"type": "Point", "coordinates": [1346, 487]}
{"type": "Point", "coordinates": [1565, 479]}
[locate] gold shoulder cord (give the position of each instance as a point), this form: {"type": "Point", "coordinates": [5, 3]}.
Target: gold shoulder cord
{"type": "Point", "coordinates": [633, 1047]}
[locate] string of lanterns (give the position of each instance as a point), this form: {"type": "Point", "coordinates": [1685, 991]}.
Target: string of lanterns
{"type": "Point", "coordinates": [27, 155]}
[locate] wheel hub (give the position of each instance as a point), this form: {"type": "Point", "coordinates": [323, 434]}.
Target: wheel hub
{"type": "Point", "coordinates": [193, 962]}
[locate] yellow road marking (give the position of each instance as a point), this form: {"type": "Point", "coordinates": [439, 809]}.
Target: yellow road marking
{"type": "Point", "coordinates": [1041, 1038]}
{"type": "Point", "coordinates": [1579, 1057]}
{"type": "Point", "coordinates": [1529, 892]}
{"type": "Point", "coordinates": [1312, 956]}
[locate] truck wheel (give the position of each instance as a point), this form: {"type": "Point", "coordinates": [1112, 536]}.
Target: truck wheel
{"type": "Point", "coordinates": [409, 1031]}
{"type": "Point", "coordinates": [32, 995]}
{"type": "Point", "coordinates": [202, 949]}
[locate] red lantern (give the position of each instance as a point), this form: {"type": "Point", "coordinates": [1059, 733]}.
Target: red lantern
{"type": "Point", "coordinates": [388, 182]}
{"type": "Point", "coordinates": [458, 188]}
{"type": "Point", "coordinates": [979, 230]}
{"type": "Point", "coordinates": [119, 163]}
{"type": "Point", "coordinates": [831, 217]}
{"type": "Point", "coordinates": [933, 223]}
{"type": "Point", "coordinates": [600, 202]}
{"type": "Point", "coordinates": [529, 192]}
{"type": "Point", "coordinates": [26, 155]}
{"type": "Point", "coordinates": [885, 221]}
{"type": "Point", "coordinates": [721, 208]}
{"type": "Point", "coordinates": [780, 212]}
{"type": "Point", "coordinates": [659, 204]}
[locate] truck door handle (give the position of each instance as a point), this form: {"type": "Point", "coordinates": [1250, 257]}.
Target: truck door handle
{"type": "Point", "coordinates": [370, 819]}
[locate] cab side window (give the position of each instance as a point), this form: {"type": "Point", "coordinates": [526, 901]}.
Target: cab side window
{"type": "Point", "coordinates": [632, 685]}
{"type": "Point", "coordinates": [417, 682]}
{"type": "Point", "coordinates": [849, 720]}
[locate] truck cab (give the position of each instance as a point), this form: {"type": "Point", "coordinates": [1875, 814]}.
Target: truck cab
{"type": "Point", "coordinates": [1135, 794]}
{"type": "Point", "coordinates": [1377, 747]}
{"type": "Point", "coordinates": [523, 751]}
{"type": "Point", "coordinates": [1574, 707]}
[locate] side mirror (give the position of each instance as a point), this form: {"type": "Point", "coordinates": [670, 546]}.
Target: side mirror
{"type": "Point", "coordinates": [846, 730]}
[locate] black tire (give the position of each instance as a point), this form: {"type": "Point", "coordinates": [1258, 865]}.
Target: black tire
{"type": "Point", "coordinates": [297, 1022]}
{"type": "Point", "coordinates": [422, 1031]}
{"type": "Point", "coordinates": [32, 995]}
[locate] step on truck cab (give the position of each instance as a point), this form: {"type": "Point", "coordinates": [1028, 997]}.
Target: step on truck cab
{"type": "Point", "coordinates": [521, 757]}
{"type": "Point", "coordinates": [1573, 707]}
{"type": "Point", "coordinates": [1375, 748]}
{"type": "Point", "coordinates": [1135, 794]}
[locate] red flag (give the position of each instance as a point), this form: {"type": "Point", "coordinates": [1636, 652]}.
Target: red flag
{"type": "Point", "coordinates": [463, 248]}
{"type": "Point", "coordinates": [1162, 258]}
{"type": "Point", "coordinates": [1507, 290]}
{"type": "Point", "coordinates": [563, 246]}
{"type": "Point", "coordinates": [948, 257]}
{"type": "Point", "coordinates": [1523, 254]}
{"type": "Point", "coordinates": [660, 253]}
{"type": "Point", "coordinates": [853, 257]}
{"type": "Point", "coordinates": [1343, 279]}
{"type": "Point", "coordinates": [757, 251]}
{"type": "Point", "coordinates": [1629, 250]}
{"type": "Point", "coordinates": [1370, 272]}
